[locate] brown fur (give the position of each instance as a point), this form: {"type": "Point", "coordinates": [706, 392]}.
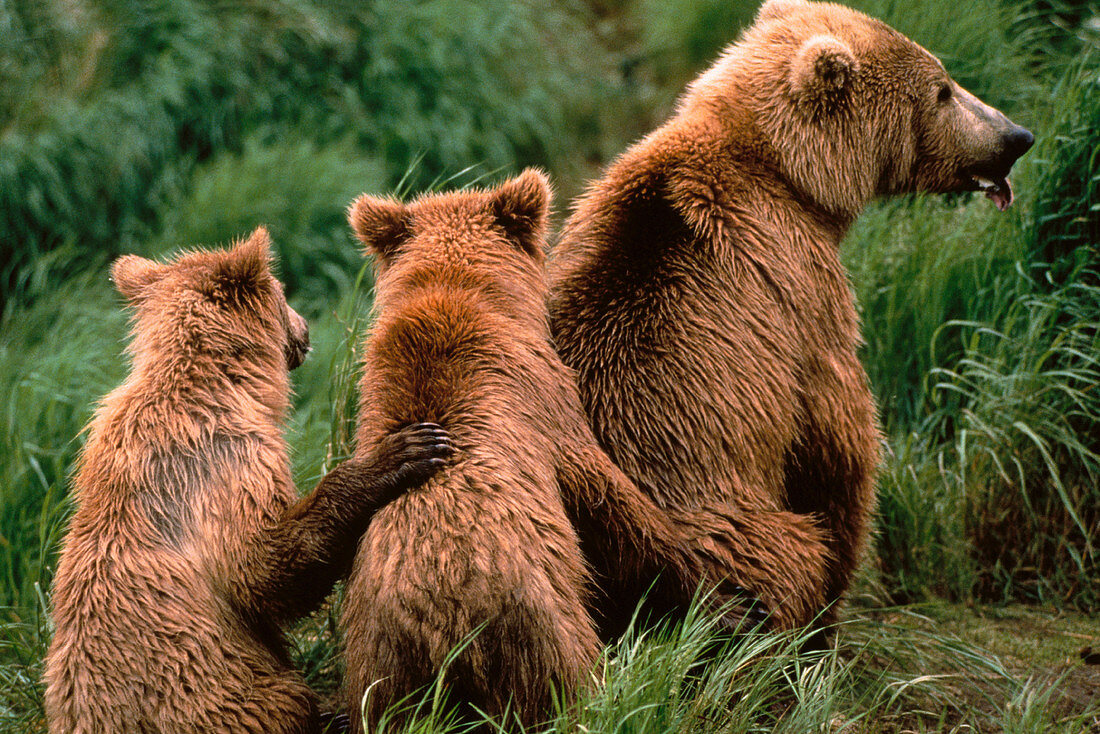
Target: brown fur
{"type": "Point", "coordinates": [188, 549]}
{"type": "Point", "coordinates": [462, 339]}
{"type": "Point", "coordinates": [698, 293]}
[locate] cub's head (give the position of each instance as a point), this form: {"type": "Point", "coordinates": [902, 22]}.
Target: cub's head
{"type": "Point", "coordinates": [489, 239]}
{"type": "Point", "coordinates": [855, 110]}
{"type": "Point", "coordinates": [220, 307]}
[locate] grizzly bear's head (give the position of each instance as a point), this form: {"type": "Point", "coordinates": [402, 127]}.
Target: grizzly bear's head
{"type": "Point", "coordinates": [492, 239]}
{"type": "Point", "coordinates": [220, 306]}
{"type": "Point", "coordinates": [854, 109]}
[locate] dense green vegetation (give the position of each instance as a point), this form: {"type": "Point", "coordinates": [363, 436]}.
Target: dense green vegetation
{"type": "Point", "coordinates": [130, 126]}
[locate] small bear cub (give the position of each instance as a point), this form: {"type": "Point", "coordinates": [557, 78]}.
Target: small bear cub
{"type": "Point", "coordinates": [189, 549]}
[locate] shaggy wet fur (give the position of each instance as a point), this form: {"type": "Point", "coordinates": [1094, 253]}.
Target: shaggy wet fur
{"type": "Point", "coordinates": [189, 549]}
{"type": "Point", "coordinates": [698, 293]}
{"type": "Point", "coordinates": [491, 544]}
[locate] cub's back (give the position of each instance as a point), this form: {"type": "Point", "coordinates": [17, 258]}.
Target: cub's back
{"type": "Point", "coordinates": [487, 540]}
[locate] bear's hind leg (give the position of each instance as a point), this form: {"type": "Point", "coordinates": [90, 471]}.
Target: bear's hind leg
{"type": "Point", "coordinates": [536, 649]}
{"type": "Point", "coordinates": [780, 557]}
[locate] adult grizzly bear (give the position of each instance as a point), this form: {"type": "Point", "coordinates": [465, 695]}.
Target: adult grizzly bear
{"type": "Point", "coordinates": [188, 549]}
{"type": "Point", "coordinates": [490, 544]}
{"type": "Point", "coordinates": [698, 293]}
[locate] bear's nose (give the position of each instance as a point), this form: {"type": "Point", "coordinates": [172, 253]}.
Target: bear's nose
{"type": "Point", "coordinates": [297, 339]}
{"type": "Point", "coordinates": [1018, 141]}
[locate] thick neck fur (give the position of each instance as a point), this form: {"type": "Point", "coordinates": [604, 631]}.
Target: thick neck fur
{"type": "Point", "coordinates": [720, 173]}
{"type": "Point", "coordinates": [180, 402]}
{"type": "Point", "coordinates": [217, 388]}
{"type": "Point", "coordinates": [502, 288]}
{"type": "Point", "coordinates": [761, 129]}
{"type": "Point", "coordinates": [450, 342]}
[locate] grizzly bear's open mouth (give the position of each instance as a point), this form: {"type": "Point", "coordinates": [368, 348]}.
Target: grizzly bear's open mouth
{"type": "Point", "coordinates": [995, 186]}
{"type": "Point", "coordinates": [991, 175]}
{"type": "Point", "coordinates": [998, 191]}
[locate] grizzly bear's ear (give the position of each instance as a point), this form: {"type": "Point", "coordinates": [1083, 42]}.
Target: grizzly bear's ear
{"type": "Point", "coordinates": [246, 266]}
{"type": "Point", "coordinates": [521, 207]}
{"type": "Point", "coordinates": [773, 9]}
{"type": "Point", "coordinates": [822, 71]}
{"type": "Point", "coordinates": [382, 225]}
{"type": "Point", "coordinates": [132, 275]}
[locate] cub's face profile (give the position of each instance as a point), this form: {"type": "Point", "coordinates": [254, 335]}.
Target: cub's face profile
{"type": "Point", "coordinates": [222, 305]}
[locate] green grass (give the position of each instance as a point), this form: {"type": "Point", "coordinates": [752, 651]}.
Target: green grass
{"type": "Point", "coordinates": [96, 160]}
{"type": "Point", "coordinates": [933, 668]}
{"type": "Point", "coordinates": [982, 347]}
{"type": "Point", "coordinates": [1028, 430]}
{"type": "Point", "coordinates": [136, 127]}
{"type": "Point", "coordinates": [927, 669]}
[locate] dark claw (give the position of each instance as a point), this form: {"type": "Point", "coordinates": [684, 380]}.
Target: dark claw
{"type": "Point", "coordinates": [748, 613]}
{"type": "Point", "coordinates": [419, 451]}
{"type": "Point", "coordinates": [425, 434]}
{"type": "Point", "coordinates": [427, 451]}
{"type": "Point", "coordinates": [426, 437]}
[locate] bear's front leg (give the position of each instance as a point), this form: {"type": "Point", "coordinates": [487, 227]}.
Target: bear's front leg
{"type": "Point", "coordinates": [293, 565]}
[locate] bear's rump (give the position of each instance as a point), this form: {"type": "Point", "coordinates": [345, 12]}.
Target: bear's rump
{"type": "Point", "coordinates": [462, 552]}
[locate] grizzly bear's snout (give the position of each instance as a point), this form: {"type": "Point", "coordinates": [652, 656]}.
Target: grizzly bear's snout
{"type": "Point", "coordinates": [1012, 142]}
{"type": "Point", "coordinates": [991, 176]}
{"type": "Point", "coordinates": [1018, 141]}
{"type": "Point", "coordinates": [998, 143]}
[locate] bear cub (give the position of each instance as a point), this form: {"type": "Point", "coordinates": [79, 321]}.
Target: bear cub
{"type": "Point", "coordinates": [189, 549]}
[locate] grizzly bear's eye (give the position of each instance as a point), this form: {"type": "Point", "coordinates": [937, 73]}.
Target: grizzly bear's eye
{"type": "Point", "coordinates": [944, 93]}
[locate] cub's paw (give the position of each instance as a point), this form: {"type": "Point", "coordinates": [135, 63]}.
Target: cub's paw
{"type": "Point", "coordinates": [743, 612]}
{"type": "Point", "coordinates": [410, 456]}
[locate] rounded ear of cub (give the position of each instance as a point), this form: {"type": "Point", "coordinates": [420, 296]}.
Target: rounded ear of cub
{"type": "Point", "coordinates": [245, 268]}
{"type": "Point", "coordinates": [821, 72]}
{"type": "Point", "coordinates": [521, 207]}
{"type": "Point", "coordinates": [132, 275]}
{"type": "Point", "coordinates": [236, 273]}
{"type": "Point", "coordinates": [382, 225]}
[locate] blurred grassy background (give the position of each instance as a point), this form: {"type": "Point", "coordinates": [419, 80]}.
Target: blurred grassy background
{"type": "Point", "coordinates": [144, 127]}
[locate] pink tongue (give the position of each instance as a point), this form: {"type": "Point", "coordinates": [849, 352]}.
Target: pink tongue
{"type": "Point", "coordinates": [1002, 197]}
